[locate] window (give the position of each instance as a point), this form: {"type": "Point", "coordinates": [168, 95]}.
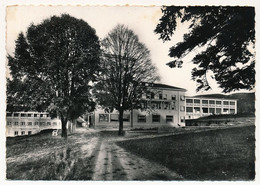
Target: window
{"type": "Point", "coordinates": [23, 133]}
{"type": "Point", "coordinates": [218, 110]}
{"type": "Point", "coordinates": [29, 132]}
{"type": "Point", "coordinates": [16, 123]}
{"type": "Point", "coordinates": [23, 115]}
{"type": "Point", "coordinates": [36, 123]}
{"type": "Point", "coordinates": [173, 106]}
{"type": "Point", "coordinates": [9, 123]}
{"type": "Point", "coordinates": [148, 95]}
{"type": "Point", "coordinates": [41, 115]}
{"type": "Point", "coordinates": [156, 118]}
{"type": "Point", "coordinates": [182, 108]}
{"type": "Point", "coordinates": [141, 118]}
{"type": "Point", "coordinates": [8, 114]}
{"type": "Point", "coordinates": [114, 117]}
{"type": "Point", "coordinates": [165, 96]}
{"type": "Point", "coordinates": [22, 123]}
{"type": "Point", "coordinates": [29, 123]}
{"type": "Point", "coordinates": [169, 118]}
{"type": "Point", "coordinates": [218, 102]}
{"type": "Point", "coordinates": [143, 105]}
{"type": "Point", "coordinates": [16, 114]}
{"type": "Point", "coordinates": [197, 101]}
{"type": "Point", "coordinates": [29, 115]}
{"type": "Point", "coordinates": [35, 115]}
{"type": "Point", "coordinates": [232, 111]}
{"type": "Point", "coordinates": [205, 110]}
{"type": "Point", "coordinates": [226, 103]}
{"type": "Point", "coordinates": [182, 98]}
{"type": "Point", "coordinates": [166, 105]}
{"type": "Point", "coordinates": [16, 133]}
{"type": "Point", "coordinates": [126, 117]}
{"type": "Point", "coordinates": [152, 95]}
{"type": "Point", "coordinates": [156, 105]}
{"type": "Point", "coordinates": [42, 123]}
{"type": "Point", "coordinates": [189, 109]}
{"type": "Point", "coordinates": [205, 102]}
{"type": "Point", "coordinates": [182, 119]}
{"type": "Point", "coordinates": [189, 100]}
{"type": "Point", "coordinates": [160, 96]}
{"type": "Point", "coordinates": [212, 110]}
{"type": "Point", "coordinates": [197, 109]}
{"type": "Point", "coordinates": [225, 110]}
{"type": "Point", "coordinates": [48, 123]}
{"type": "Point", "coordinates": [103, 117]}
{"type": "Point", "coordinates": [173, 97]}
{"type": "Point", "coordinates": [212, 102]}
{"type": "Point", "coordinates": [54, 123]}
{"type": "Point", "coordinates": [232, 103]}
{"type": "Point", "coordinates": [47, 115]}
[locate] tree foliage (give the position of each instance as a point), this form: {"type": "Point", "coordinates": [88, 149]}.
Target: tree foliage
{"type": "Point", "coordinates": [52, 67]}
{"type": "Point", "coordinates": [126, 66]}
{"type": "Point", "coordinates": [228, 33]}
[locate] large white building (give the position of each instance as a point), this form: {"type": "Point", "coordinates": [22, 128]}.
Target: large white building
{"type": "Point", "coordinates": [204, 106]}
{"type": "Point", "coordinates": [168, 106]}
{"type": "Point", "coordinates": [27, 123]}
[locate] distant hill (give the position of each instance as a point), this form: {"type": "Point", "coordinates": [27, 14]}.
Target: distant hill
{"type": "Point", "coordinates": [245, 101]}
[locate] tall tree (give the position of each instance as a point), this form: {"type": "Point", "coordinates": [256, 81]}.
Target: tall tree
{"type": "Point", "coordinates": [52, 68]}
{"type": "Point", "coordinates": [227, 33]}
{"type": "Point", "coordinates": [127, 65]}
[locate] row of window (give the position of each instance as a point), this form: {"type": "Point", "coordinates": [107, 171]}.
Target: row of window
{"type": "Point", "coordinates": [211, 102]}
{"type": "Point", "coordinates": [163, 105]}
{"type": "Point", "coordinates": [31, 123]}
{"type": "Point", "coordinates": [157, 118]}
{"type": "Point", "coordinates": [160, 96]}
{"type": "Point", "coordinates": [113, 117]}
{"type": "Point", "coordinates": [141, 118]}
{"type": "Point", "coordinates": [16, 133]}
{"type": "Point", "coordinates": [209, 110]}
{"type": "Point", "coordinates": [27, 115]}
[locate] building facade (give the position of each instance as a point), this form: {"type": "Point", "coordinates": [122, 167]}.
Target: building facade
{"type": "Point", "coordinates": [27, 123]}
{"type": "Point", "coordinates": [204, 106]}
{"type": "Point", "coordinates": [166, 107]}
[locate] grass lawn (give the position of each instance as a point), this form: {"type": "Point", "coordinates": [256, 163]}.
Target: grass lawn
{"type": "Point", "coordinates": [226, 154]}
{"type": "Point", "coordinates": [43, 157]}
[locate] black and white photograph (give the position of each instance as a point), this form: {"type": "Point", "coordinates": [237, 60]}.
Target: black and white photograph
{"type": "Point", "coordinates": [130, 93]}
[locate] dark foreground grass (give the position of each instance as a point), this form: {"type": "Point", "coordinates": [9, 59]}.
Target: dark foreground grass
{"type": "Point", "coordinates": [227, 154]}
{"type": "Point", "coordinates": [43, 157]}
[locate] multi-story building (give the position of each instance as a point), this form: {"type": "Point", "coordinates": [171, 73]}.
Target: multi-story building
{"type": "Point", "coordinates": [204, 106]}
{"type": "Point", "coordinates": [167, 107]}
{"type": "Point", "coordinates": [27, 123]}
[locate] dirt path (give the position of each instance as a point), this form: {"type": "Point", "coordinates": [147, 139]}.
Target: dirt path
{"type": "Point", "coordinates": [114, 163]}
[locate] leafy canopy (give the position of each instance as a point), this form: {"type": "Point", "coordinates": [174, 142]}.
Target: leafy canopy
{"type": "Point", "coordinates": [227, 33]}
{"type": "Point", "coordinates": [52, 67]}
{"type": "Point", "coordinates": [126, 65]}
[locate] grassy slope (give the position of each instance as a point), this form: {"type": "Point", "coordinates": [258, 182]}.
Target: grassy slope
{"type": "Point", "coordinates": [43, 157]}
{"type": "Point", "coordinates": [213, 155]}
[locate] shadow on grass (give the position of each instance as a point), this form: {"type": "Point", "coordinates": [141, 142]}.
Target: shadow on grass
{"type": "Point", "coordinates": [60, 165]}
{"type": "Point", "coordinates": [213, 155]}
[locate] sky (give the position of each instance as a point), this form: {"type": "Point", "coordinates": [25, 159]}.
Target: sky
{"type": "Point", "coordinates": [142, 20]}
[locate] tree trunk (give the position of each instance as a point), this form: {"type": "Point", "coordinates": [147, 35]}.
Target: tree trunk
{"type": "Point", "coordinates": [121, 131]}
{"type": "Point", "coordinates": [64, 128]}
